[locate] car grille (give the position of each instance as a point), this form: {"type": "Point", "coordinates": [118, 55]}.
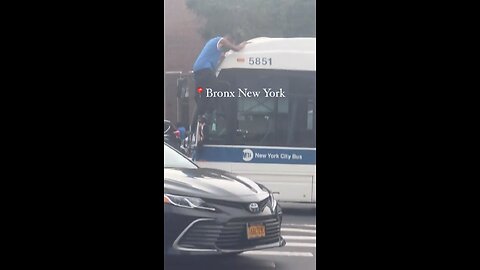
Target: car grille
{"type": "Point", "coordinates": [202, 235]}
{"type": "Point", "coordinates": [232, 235]}
{"type": "Point", "coordinates": [262, 204]}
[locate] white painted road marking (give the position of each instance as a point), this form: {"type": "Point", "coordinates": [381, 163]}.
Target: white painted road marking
{"type": "Point", "coordinates": [295, 244]}
{"type": "Point", "coordinates": [279, 253]}
{"type": "Point", "coordinates": [300, 225]}
{"type": "Point", "coordinates": [298, 230]}
{"type": "Point", "coordinates": [303, 241]}
{"type": "Point", "coordinates": [294, 237]}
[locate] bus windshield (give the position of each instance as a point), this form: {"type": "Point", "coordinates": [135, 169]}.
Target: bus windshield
{"type": "Point", "coordinates": [284, 121]}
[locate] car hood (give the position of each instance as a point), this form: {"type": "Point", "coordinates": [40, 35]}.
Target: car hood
{"type": "Point", "coordinates": [211, 184]}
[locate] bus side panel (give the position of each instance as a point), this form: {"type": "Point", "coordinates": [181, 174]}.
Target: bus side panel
{"type": "Point", "coordinates": [226, 166]}
{"type": "Point", "coordinates": [294, 182]}
{"type": "Point", "coordinates": [292, 188]}
{"type": "Point", "coordinates": [314, 189]}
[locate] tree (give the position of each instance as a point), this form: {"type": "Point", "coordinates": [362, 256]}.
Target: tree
{"type": "Point", "coordinates": [256, 18]}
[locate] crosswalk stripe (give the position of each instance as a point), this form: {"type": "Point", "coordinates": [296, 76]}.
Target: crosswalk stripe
{"type": "Point", "coordinates": [279, 253]}
{"type": "Point", "coordinates": [295, 244]}
{"type": "Point", "coordinates": [300, 225]}
{"type": "Point", "coordinates": [298, 230]}
{"type": "Point", "coordinates": [295, 237]}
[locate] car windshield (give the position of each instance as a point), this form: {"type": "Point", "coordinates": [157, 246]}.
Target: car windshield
{"type": "Point", "coordinates": [172, 159]}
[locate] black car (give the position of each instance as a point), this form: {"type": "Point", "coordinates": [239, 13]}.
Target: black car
{"type": "Point", "coordinates": [209, 211]}
{"type": "Point", "coordinates": [171, 134]}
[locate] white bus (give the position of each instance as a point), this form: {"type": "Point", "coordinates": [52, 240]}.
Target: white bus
{"type": "Point", "coordinates": [269, 139]}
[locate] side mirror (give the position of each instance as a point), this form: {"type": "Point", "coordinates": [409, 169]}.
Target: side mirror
{"type": "Point", "coordinates": [182, 88]}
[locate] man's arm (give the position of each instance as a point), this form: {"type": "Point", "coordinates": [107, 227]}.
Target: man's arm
{"type": "Point", "coordinates": [227, 44]}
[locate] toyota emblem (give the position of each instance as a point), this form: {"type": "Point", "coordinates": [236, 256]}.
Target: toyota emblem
{"type": "Point", "coordinates": [254, 208]}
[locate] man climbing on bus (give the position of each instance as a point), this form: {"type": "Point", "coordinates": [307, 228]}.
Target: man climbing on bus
{"type": "Point", "coordinates": [204, 70]}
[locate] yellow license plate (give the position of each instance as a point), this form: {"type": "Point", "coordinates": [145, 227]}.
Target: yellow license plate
{"type": "Point", "coordinates": [255, 231]}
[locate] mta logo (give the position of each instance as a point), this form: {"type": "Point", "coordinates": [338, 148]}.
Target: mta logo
{"type": "Point", "coordinates": [247, 154]}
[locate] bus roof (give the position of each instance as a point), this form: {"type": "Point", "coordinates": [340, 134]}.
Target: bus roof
{"type": "Point", "coordinates": [274, 53]}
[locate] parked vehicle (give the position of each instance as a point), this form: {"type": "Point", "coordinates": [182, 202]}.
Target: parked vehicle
{"type": "Point", "coordinates": [210, 211]}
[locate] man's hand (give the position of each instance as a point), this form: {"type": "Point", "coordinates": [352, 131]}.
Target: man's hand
{"type": "Point", "coordinates": [242, 45]}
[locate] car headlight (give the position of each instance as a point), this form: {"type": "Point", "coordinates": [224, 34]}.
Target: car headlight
{"type": "Point", "coordinates": [274, 202]}
{"type": "Point", "coordinates": [186, 202]}
{"type": "Point", "coordinates": [272, 199]}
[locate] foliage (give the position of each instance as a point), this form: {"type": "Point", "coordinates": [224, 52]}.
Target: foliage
{"type": "Point", "coordinates": [247, 19]}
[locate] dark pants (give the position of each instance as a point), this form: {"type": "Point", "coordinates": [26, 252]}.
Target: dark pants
{"type": "Point", "coordinates": [206, 78]}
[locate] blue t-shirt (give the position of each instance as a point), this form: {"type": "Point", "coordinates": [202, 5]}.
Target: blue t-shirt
{"type": "Point", "coordinates": [182, 132]}
{"type": "Point", "coordinates": [209, 56]}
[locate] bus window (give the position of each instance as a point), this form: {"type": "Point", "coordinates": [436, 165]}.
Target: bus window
{"type": "Point", "coordinates": [266, 121]}
{"type": "Point", "coordinates": [310, 115]}
{"type": "Point", "coordinates": [218, 129]}
{"type": "Point", "coordinates": [255, 120]}
{"type": "Point", "coordinates": [261, 120]}
{"type": "Point", "coordinates": [301, 116]}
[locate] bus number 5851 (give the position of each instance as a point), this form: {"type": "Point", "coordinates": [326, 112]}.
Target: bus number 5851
{"type": "Point", "coordinates": [260, 61]}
